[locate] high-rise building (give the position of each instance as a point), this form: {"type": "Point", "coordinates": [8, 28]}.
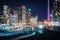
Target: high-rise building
{"type": "Point", "coordinates": [27, 19]}
{"type": "Point", "coordinates": [19, 12]}
{"type": "Point", "coordinates": [1, 19]}
{"type": "Point", "coordinates": [33, 20]}
{"type": "Point", "coordinates": [5, 9]}
{"type": "Point", "coordinates": [13, 19]}
{"type": "Point", "coordinates": [56, 10]}
{"type": "Point", "coordinates": [5, 12]}
{"type": "Point", "coordinates": [26, 14]}
{"type": "Point", "coordinates": [24, 11]}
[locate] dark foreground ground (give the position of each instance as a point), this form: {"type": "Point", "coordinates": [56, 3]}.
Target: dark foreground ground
{"type": "Point", "coordinates": [46, 35]}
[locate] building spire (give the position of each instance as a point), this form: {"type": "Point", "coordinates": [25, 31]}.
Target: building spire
{"type": "Point", "coordinates": [48, 11]}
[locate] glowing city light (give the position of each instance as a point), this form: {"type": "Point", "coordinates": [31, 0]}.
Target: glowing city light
{"type": "Point", "coordinates": [41, 26]}
{"type": "Point", "coordinates": [48, 11]}
{"type": "Point", "coordinates": [40, 31]}
{"type": "Point", "coordinates": [29, 9]}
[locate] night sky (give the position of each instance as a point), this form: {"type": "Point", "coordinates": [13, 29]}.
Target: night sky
{"type": "Point", "coordinates": [38, 7]}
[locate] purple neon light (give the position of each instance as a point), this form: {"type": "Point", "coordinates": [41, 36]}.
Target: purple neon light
{"type": "Point", "coordinates": [48, 16]}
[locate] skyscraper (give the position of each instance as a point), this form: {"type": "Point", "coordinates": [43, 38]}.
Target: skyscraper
{"type": "Point", "coordinates": [25, 15]}
{"type": "Point", "coordinates": [19, 11]}
{"type": "Point", "coordinates": [5, 12]}
{"type": "Point", "coordinates": [27, 18]}
{"type": "Point", "coordinates": [24, 11]}
{"type": "Point", "coordinates": [56, 10]}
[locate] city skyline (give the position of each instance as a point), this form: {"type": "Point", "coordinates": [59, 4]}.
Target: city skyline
{"type": "Point", "coordinates": [38, 7]}
{"type": "Point", "coordinates": [29, 19]}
